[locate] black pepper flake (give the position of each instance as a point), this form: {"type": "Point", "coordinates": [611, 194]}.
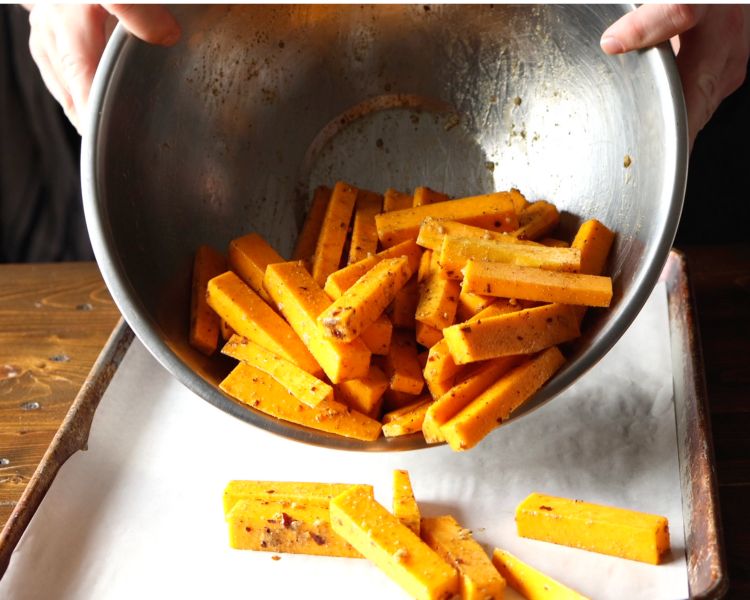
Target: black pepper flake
{"type": "Point", "coordinates": [545, 507]}
{"type": "Point", "coordinates": [318, 539]}
{"type": "Point", "coordinates": [466, 329]}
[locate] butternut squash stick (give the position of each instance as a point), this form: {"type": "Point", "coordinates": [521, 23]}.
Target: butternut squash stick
{"type": "Point", "coordinates": [249, 256]}
{"type": "Point", "coordinates": [365, 301]}
{"type": "Point", "coordinates": [318, 494]}
{"type": "Point", "coordinates": [406, 420]}
{"type": "Point", "coordinates": [402, 365]}
{"type": "Point", "coordinates": [460, 395]}
{"type": "Point", "coordinates": [255, 320]}
{"type": "Point", "coordinates": [364, 394]}
{"type": "Point", "coordinates": [259, 390]}
{"type": "Point", "coordinates": [438, 298]}
{"type": "Point", "coordinates": [308, 237]}
{"type": "Point", "coordinates": [492, 211]}
{"type": "Point", "coordinates": [456, 252]}
{"type": "Point", "coordinates": [470, 304]}
{"type": "Point", "coordinates": [522, 332]}
{"type": "Point", "coordinates": [529, 582]}
{"type": "Point", "coordinates": [432, 231]}
{"type": "Point", "coordinates": [530, 283]}
{"type": "Point", "coordinates": [594, 527]}
{"type": "Point", "coordinates": [440, 365]}
{"type": "Point", "coordinates": [340, 281]}
{"type": "Point", "coordinates": [479, 578]}
{"type": "Point", "coordinates": [364, 234]}
{"type": "Point", "coordinates": [536, 221]}
{"type": "Point", "coordinates": [333, 232]}
{"type": "Point", "coordinates": [496, 403]}
{"type": "Point", "coordinates": [299, 383]}
{"type": "Point", "coordinates": [300, 299]}
{"type": "Point", "coordinates": [395, 200]}
{"type": "Point", "coordinates": [405, 507]}
{"type": "Point", "coordinates": [204, 322]}
{"type": "Point", "coordinates": [404, 305]}
{"type": "Point", "coordinates": [393, 547]}
{"type": "Point", "coordinates": [424, 195]}
{"type": "Point", "coordinates": [594, 241]}
{"type": "Point", "coordinates": [276, 526]}
{"type": "Point", "coordinates": [427, 335]}
{"type": "Point", "coordinates": [377, 337]}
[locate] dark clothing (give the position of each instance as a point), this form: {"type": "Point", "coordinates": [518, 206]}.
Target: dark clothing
{"type": "Point", "coordinates": [41, 215]}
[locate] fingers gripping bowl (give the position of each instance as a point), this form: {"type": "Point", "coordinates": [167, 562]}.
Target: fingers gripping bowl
{"type": "Point", "coordinates": [229, 131]}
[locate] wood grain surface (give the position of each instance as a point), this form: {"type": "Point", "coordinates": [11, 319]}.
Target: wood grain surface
{"type": "Point", "coordinates": [55, 319]}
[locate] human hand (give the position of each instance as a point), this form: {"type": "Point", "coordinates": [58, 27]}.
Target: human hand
{"type": "Point", "coordinates": [712, 46]}
{"type": "Point", "coordinates": [67, 42]}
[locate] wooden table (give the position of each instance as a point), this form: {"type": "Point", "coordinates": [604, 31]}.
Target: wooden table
{"type": "Point", "coordinates": [55, 319]}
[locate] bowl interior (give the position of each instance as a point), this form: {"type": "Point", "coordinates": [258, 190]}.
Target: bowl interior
{"type": "Point", "coordinates": [230, 130]}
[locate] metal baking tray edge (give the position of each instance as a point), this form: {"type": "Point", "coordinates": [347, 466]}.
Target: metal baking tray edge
{"type": "Point", "coordinates": [707, 573]}
{"type": "Point", "coordinates": [72, 436]}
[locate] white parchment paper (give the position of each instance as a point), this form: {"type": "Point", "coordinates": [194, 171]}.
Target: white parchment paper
{"type": "Point", "coordinates": [139, 515]}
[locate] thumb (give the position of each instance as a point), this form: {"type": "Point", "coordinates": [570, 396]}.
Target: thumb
{"type": "Point", "coordinates": [151, 23]}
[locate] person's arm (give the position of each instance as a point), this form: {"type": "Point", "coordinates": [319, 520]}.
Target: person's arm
{"type": "Point", "coordinates": [712, 44]}
{"type": "Point", "coordinates": [67, 42]}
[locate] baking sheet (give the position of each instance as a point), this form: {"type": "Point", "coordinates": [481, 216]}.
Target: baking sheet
{"type": "Point", "coordinates": [139, 514]}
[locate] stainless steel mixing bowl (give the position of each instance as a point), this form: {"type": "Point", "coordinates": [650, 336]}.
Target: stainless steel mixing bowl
{"type": "Point", "coordinates": [228, 131]}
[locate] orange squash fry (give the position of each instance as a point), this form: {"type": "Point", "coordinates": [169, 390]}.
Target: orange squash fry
{"type": "Point", "coordinates": [393, 547]}
{"type": "Point", "coordinates": [493, 211]}
{"type": "Point", "coordinates": [338, 282]}
{"type": "Point", "coordinates": [277, 526]}
{"type": "Point", "coordinates": [308, 237]}
{"type": "Point", "coordinates": [405, 507]}
{"type": "Point", "coordinates": [402, 365]}
{"type": "Point", "coordinates": [521, 332]}
{"type": "Point", "coordinates": [249, 256]}
{"type": "Point", "coordinates": [496, 403]}
{"type": "Point", "coordinates": [440, 365]}
{"type": "Point", "coordinates": [427, 335]}
{"type": "Point", "coordinates": [530, 283]}
{"type": "Point", "coordinates": [395, 200]}
{"type": "Point", "coordinates": [593, 240]}
{"type": "Point", "coordinates": [479, 578]}
{"type": "Point", "coordinates": [364, 234]}
{"type": "Point", "coordinates": [377, 337]}
{"type": "Point", "coordinates": [259, 390]}
{"type": "Point", "coordinates": [460, 395]}
{"type": "Point", "coordinates": [406, 420]}
{"type": "Point", "coordinates": [605, 529]}
{"type": "Point", "coordinates": [438, 301]}
{"type": "Point", "coordinates": [470, 304]}
{"type": "Point", "coordinates": [333, 232]}
{"type": "Point", "coordinates": [253, 319]}
{"type": "Point", "coordinates": [424, 195]}
{"type": "Point", "coordinates": [204, 322]}
{"type": "Point", "coordinates": [365, 301]}
{"type": "Point", "coordinates": [536, 221]}
{"type": "Point", "coordinates": [456, 252]}
{"type": "Point", "coordinates": [404, 305]}
{"type": "Point", "coordinates": [432, 231]}
{"type": "Point", "coordinates": [307, 388]}
{"type": "Point", "coordinates": [226, 331]}
{"type": "Point", "coordinates": [299, 298]}
{"type": "Point", "coordinates": [364, 394]}
{"type": "Point", "coordinates": [425, 266]}
{"type": "Point", "coordinates": [530, 583]}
